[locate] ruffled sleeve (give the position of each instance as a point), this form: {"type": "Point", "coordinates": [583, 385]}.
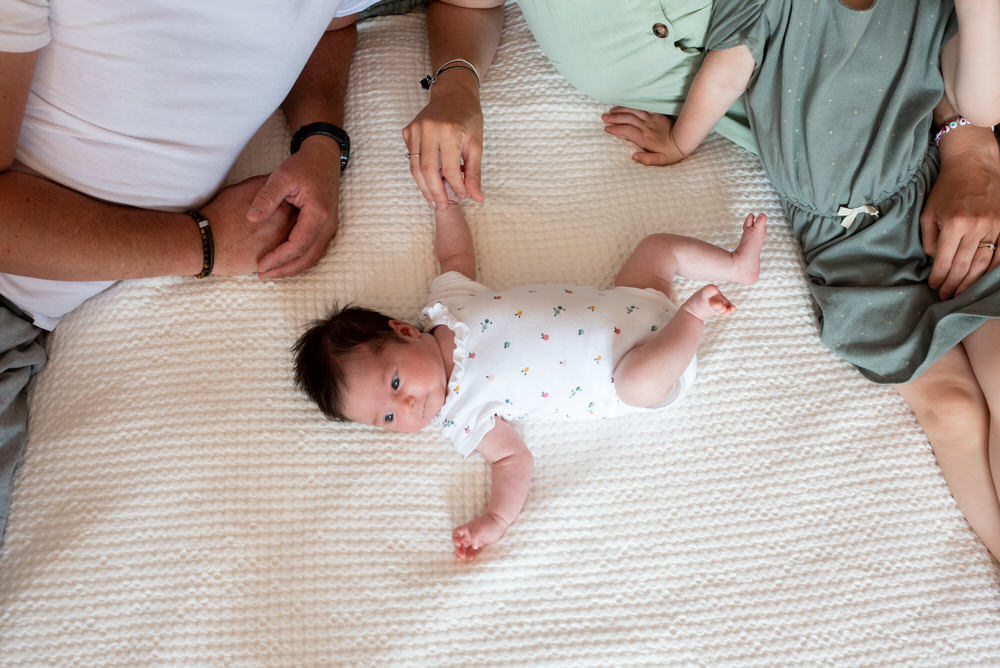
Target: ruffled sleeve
{"type": "Point", "coordinates": [461, 419]}
{"type": "Point", "coordinates": [739, 22]}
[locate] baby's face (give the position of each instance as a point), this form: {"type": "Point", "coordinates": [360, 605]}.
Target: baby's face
{"type": "Point", "coordinates": [401, 387]}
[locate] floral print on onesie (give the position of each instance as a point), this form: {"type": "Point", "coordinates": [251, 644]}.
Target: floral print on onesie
{"type": "Point", "coordinates": [539, 351]}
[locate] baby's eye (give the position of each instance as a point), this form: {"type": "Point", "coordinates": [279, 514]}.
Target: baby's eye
{"type": "Point", "coordinates": [395, 382]}
{"type": "Point", "coordinates": [388, 418]}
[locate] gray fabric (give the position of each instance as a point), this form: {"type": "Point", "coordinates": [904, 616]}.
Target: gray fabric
{"type": "Point", "coordinates": [387, 7]}
{"type": "Point", "coordinates": [22, 358]}
{"type": "Point", "coordinates": [841, 104]}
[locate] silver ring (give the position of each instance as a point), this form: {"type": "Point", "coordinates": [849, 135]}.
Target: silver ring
{"type": "Point", "coordinates": [986, 244]}
{"type": "Point", "coordinates": [412, 155]}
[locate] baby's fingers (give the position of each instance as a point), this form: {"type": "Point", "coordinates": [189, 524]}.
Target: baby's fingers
{"type": "Point", "coordinates": [461, 538]}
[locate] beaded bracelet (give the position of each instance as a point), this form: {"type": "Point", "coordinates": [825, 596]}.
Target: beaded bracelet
{"type": "Point", "coordinates": [207, 243]}
{"type": "Point", "coordinates": [949, 125]}
{"type": "Point", "coordinates": [459, 63]}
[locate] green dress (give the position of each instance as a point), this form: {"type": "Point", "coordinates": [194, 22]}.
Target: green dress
{"type": "Point", "coordinates": [841, 105]}
{"type": "Point", "coordinates": [636, 53]}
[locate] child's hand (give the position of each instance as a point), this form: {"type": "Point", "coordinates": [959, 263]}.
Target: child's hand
{"type": "Point", "coordinates": [469, 538]}
{"type": "Point", "coordinates": [651, 132]}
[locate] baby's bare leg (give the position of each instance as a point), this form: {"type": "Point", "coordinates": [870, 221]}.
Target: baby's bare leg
{"type": "Point", "coordinates": [646, 375]}
{"type": "Point", "coordinates": [660, 257]}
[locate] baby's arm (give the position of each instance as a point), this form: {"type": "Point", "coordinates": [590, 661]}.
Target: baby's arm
{"type": "Point", "coordinates": [511, 465]}
{"type": "Point", "coordinates": [453, 240]}
{"type": "Point", "coordinates": [721, 79]}
{"type": "Point", "coordinates": [970, 62]}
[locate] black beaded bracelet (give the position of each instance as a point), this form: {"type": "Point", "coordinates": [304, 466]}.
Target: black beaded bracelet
{"type": "Point", "coordinates": [207, 243]}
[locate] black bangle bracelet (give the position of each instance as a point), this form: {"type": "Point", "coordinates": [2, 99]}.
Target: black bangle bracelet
{"type": "Point", "coordinates": [207, 243]}
{"type": "Point", "coordinates": [329, 130]}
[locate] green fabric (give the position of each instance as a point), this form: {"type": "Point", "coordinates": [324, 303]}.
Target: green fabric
{"type": "Point", "coordinates": [610, 51]}
{"type": "Point", "coordinates": [841, 104]}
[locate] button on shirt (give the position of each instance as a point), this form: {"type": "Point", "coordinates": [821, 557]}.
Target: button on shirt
{"type": "Point", "coordinates": [637, 53]}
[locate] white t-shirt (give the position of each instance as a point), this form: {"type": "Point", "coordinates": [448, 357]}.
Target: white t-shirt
{"type": "Point", "coordinates": [149, 103]}
{"type": "Point", "coordinates": [539, 351]}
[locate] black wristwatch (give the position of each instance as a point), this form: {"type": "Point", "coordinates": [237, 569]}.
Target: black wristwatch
{"type": "Point", "coordinates": [328, 129]}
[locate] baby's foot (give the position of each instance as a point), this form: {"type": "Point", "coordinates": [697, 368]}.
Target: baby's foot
{"type": "Point", "coordinates": [747, 253]}
{"type": "Point", "coordinates": [708, 303]}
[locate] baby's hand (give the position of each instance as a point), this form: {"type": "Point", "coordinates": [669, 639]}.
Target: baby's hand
{"type": "Point", "coordinates": [452, 197]}
{"type": "Point", "coordinates": [469, 538]}
{"type": "Point", "coordinates": [649, 131]}
{"type": "Point", "coordinates": [708, 303]}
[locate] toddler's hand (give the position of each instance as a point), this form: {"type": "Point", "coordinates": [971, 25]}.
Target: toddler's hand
{"type": "Point", "coordinates": [469, 538]}
{"type": "Point", "coordinates": [649, 131]}
{"type": "Point", "coordinates": [708, 303]}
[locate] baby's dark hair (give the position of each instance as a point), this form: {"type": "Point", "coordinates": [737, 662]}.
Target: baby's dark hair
{"type": "Point", "coordinates": [320, 350]}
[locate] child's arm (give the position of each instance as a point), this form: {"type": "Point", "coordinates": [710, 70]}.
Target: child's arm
{"type": "Point", "coordinates": [453, 240]}
{"type": "Point", "coordinates": [721, 79]}
{"type": "Point", "coordinates": [970, 62]}
{"type": "Point", "coordinates": [511, 465]}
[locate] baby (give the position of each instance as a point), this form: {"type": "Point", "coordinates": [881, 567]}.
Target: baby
{"type": "Point", "coordinates": [485, 358]}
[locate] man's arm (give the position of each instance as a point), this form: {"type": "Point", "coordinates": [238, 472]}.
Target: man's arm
{"type": "Point", "coordinates": [53, 232]}
{"type": "Point", "coordinates": [16, 72]}
{"type": "Point", "coordinates": [448, 132]}
{"type": "Point", "coordinates": [309, 180]}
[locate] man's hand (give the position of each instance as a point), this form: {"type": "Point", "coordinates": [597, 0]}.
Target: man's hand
{"type": "Point", "coordinates": [239, 244]}
{"type": "Point", "coordinates": [651, 132]}
{"type": "Point", "coordinates": [309, 181]}
{"type": "Point", "coordinates": [961, 212]}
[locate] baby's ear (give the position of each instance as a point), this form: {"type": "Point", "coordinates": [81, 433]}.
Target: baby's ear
{"type": "Point", "coordinates": [403, 329]}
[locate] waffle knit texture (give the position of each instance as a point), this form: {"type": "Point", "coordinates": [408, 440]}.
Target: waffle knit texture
{"type": "Point", "coordinates": [181, 504]}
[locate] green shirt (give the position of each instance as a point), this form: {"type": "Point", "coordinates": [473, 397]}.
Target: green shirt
{"type": "Point", "coordinates": [636, 53]}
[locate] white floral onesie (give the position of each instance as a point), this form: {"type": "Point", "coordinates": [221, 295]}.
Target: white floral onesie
{"type": "Point", "coordinates": [538, 350]}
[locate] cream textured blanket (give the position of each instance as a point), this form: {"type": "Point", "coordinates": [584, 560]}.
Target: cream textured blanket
{"type": "Point", "coordinates": [180, 504]}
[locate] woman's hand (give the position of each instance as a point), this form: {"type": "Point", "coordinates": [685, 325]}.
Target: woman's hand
{"type": "Point", "coordinates": [651, 132]}
{"type": "Point", "coordinates": [445, 140]}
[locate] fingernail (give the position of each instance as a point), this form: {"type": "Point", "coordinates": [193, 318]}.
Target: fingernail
{"type": "Point", "coordinates": [255, 212]}
{"type": "Point", "coordinates": [432, 204]}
